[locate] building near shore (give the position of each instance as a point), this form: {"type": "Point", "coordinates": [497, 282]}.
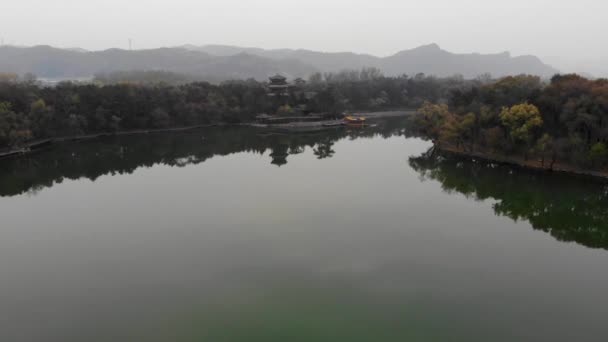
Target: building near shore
{"type": "Point", "coordinates": [278, 86]}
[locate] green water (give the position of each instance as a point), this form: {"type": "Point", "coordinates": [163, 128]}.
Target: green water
{"type": "Point", "coordinates": [234, 234]}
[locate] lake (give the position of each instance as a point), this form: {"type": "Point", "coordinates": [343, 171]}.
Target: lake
{"type": "Point", "coordinates": [237, 234]}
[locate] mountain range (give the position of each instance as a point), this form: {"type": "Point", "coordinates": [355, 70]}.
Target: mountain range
{"type": "Point", "coordinates": [222, 62]}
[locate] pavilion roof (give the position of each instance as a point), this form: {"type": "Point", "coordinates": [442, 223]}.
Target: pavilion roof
{"type": "Point", "coordinates": [277, 77]}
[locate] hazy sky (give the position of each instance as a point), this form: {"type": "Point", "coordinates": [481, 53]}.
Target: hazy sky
{"type": "Point", "coordinates": [558, 30]}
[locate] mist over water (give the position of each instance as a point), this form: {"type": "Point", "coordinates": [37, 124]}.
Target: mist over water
{"type": "Point", "coordinates": [280, 171]}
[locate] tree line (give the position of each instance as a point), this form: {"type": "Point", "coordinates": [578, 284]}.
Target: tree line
{"type": "Point", "coordinates": [155, 100]}
{"type": "Point", "coordinates": [563, 121]}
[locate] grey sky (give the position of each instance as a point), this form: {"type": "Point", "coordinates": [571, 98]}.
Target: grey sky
{"type": "Point", "coordinates": [562, 32]}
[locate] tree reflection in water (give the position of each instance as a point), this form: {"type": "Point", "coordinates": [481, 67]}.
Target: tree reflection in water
{"type": "Point", "coordinates": [124, 154]}
{"type": "Point", "coordinates": [567, 207]}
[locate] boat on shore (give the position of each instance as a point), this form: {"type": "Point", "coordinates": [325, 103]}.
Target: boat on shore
{"type": "Point", "coordinates": [355, 120]}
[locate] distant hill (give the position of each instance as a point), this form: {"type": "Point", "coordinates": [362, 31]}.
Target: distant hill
{"type": "Point", "coordinates": [218, 62]}
{"type": "Point", "coordinates": [322, 61]}
{"type": "Point", "coordinates": [428, 59]}
{"type": "Point", "coordinates": [49, 62]}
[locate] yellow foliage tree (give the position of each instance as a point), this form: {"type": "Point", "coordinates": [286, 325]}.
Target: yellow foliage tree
{"type": "Point", "coordinates": [431, 117]}
{"type": "Point", "coordinates": [522, 121]}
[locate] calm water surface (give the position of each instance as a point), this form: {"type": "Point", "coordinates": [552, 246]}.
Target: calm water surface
{"type": "Point", "coordinates": [237, 235]}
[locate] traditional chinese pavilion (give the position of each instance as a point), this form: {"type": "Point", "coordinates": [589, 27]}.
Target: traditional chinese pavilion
{"type": "Point", "coordinates": [278, 86]}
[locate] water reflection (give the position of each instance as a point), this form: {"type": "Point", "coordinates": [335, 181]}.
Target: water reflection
{"type": "Point", "coordinates": [236, 250]}
{"type": "Point", "coordinates": [120, 155]}
{"type": "Point", "coordinates": [567, 207]}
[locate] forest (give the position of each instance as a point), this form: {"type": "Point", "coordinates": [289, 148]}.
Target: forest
{"type": "Point", "coordinates": [154, 100]}
{"type": "Point", "coordinates": [562, 122]}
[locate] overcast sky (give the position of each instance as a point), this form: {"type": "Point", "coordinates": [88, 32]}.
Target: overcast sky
{"type": "Point", "coordinates": [560, 31]}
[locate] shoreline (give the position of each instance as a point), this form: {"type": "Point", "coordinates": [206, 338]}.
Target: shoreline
{"type": "Point", "coordinates": [324, 124]}
{"type": "Point", "coordinates": [531, 164]}
{"type": "Point", "coordinates": [38, 145]}
{"type": "Point", "coordinates": [384, 114]}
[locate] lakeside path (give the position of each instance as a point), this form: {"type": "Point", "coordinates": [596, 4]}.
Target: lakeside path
{"type": "Point", "coordinates": [385, 114]}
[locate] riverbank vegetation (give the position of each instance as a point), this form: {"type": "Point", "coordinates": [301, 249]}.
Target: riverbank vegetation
{"type": "Point", "coordinates": [559, 125]}
{"type": "Point", "coordinates": [29, 111]}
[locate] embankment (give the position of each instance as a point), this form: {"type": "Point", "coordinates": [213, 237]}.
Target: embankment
{"type": "Point", "coordinates": [530, 163]}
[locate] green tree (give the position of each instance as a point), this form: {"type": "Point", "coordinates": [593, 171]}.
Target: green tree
{"type": "Point", "coordinates": [598, 154]}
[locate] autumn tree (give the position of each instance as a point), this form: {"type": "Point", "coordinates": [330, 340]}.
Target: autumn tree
{"type": "Point", "coordinates": [14, 127]}
{"type": "Point", "coordinates": [522, 122]}
{"type": "Point", "coordinates": [459, 130]}
{"type": "Point", "coordinates": [430, 119]}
